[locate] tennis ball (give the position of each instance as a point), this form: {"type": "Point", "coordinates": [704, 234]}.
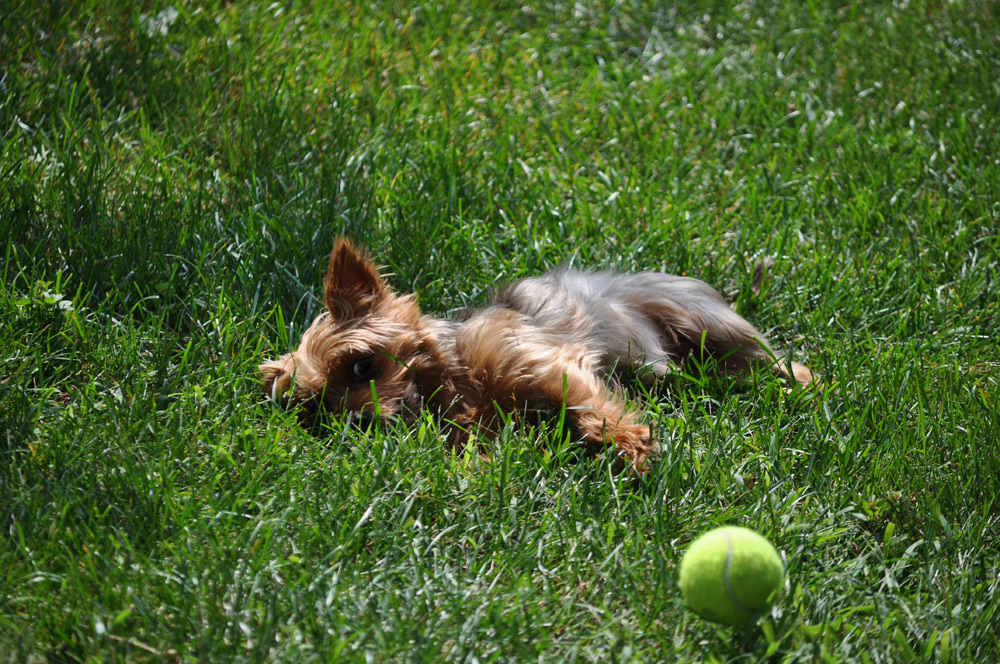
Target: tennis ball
{"type": "Point", "coordinates": [729, 574]}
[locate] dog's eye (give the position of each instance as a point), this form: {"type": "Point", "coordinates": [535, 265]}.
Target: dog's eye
{"type": "Point", "coordinates": [363, 369]}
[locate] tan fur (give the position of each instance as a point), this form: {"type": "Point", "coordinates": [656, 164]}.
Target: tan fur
{"type": "Point", "coordinates": [548, 340]}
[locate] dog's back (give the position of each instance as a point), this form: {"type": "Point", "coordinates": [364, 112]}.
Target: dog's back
{"type": "Point", "coordinates": [645, 320]}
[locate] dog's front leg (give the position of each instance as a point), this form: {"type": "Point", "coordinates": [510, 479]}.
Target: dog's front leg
{"type": "Point", "coordinates": [599, 416]}
{"type": "Point", "coordinates": [516, 365]}
{"type": "Point", "coordinates": [560, 376]}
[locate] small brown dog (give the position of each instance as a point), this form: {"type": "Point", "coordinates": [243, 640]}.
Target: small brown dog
{"type": "Point", "coordinates": [547, 340]}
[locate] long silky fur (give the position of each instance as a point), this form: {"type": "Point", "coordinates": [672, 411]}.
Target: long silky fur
{"type": "Point", "coordinates": [553, 339]}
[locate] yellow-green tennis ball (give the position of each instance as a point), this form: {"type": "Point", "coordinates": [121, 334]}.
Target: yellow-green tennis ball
{"type": "Point", "coordinates": [729, 574]}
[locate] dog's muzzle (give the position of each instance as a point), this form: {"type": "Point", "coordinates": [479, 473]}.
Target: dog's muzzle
{"type": "Point", "coordinates": [362, 420]}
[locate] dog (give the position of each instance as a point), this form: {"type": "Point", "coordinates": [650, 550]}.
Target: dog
{"type": "Point", "coordinates": [552, 340]}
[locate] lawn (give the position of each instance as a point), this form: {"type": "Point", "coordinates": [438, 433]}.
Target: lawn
{"type": "Point", "coordinates": [172, 178]}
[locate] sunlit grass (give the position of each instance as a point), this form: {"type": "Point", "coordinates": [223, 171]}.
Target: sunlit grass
{"type": "Point", "coordinates": [170, 184]}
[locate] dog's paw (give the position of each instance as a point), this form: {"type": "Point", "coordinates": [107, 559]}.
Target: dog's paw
{"type": "Point", "coordinates": [634, 443]}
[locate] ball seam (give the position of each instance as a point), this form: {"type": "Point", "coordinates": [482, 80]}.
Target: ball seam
{"type": "Point", "coordinates": [725, 576]}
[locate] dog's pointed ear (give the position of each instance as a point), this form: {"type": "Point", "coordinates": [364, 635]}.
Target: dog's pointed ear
{"type": "Point", "coordinates": [353, 285]}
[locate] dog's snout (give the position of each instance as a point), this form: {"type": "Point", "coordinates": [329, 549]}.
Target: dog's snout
{"type": "Point", "coordinates": [362, 420]}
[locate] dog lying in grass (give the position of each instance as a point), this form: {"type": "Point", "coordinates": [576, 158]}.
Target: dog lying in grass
{"type": "Point", "coordinates": [550, 340]}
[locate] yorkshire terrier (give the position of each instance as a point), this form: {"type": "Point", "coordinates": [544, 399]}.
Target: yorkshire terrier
{"type": "Point", "coordinates": [551, 340]}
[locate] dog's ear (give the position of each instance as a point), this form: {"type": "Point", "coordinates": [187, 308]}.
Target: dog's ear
{"type": "Point", "coordinates": [353, 285]}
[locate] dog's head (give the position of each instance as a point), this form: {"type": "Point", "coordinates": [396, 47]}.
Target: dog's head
{"type": "Point", "coordinates": [362, 357]}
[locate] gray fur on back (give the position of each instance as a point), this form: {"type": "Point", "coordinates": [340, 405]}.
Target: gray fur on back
{"type": "Point", "coordinates": [649, 318]}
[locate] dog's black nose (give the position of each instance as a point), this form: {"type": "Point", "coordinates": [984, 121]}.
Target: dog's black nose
{"type": "Point", "coordinates": [362, 420]}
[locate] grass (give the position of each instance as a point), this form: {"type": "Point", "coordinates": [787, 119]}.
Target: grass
{"type": "Point", "coordinates": [168, 192]}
